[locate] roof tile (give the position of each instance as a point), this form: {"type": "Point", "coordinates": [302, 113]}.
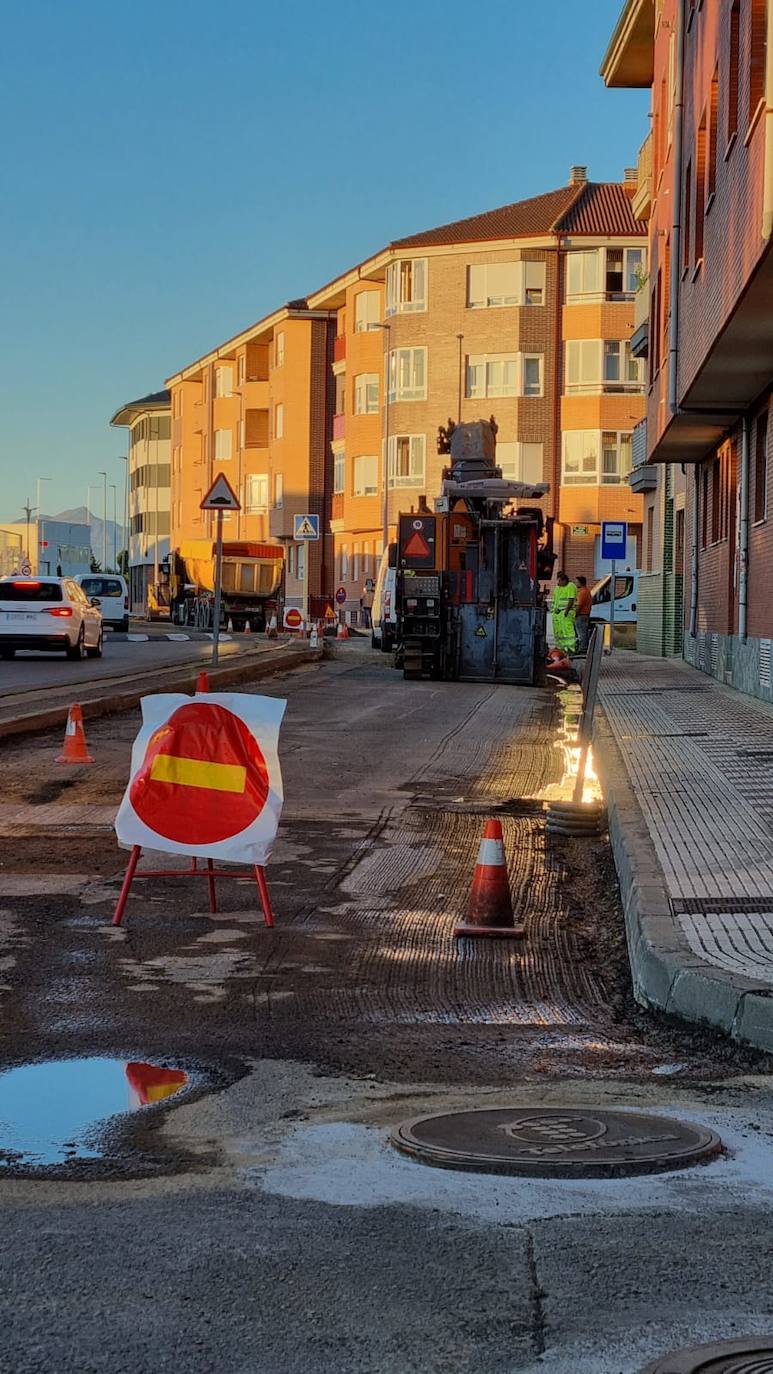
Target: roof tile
{"type": "Point", "coordinates": [589, 208]}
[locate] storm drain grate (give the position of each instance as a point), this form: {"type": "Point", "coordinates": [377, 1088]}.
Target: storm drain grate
{"type": "Point", "coordinates": [750, 1356]}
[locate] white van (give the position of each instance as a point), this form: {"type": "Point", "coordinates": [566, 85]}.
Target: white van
{"type": "Point", "coordinates": [111, 595]}
{"type": "Point", "coordinates": [384, 609]}
{"type": "Point", "coordinates": [626, 598]}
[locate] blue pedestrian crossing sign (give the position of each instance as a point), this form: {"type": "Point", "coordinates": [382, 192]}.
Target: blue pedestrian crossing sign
{"type": "Point", "coordinates": [614, 540]}
{"type": "Point", "coordinates": [305, 527]}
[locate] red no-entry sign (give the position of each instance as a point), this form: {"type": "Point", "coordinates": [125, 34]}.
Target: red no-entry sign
{"type": "Point", "coordinates": [203, 778]}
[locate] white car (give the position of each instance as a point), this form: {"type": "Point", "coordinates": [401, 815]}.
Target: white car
{"type": "Point", "coordinates": [48, 613]}
{"type": "Point", "coordinates": [111, 595]}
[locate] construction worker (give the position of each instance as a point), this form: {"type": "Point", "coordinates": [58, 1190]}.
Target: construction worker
{"type": "Point", "coordinates": [584, 608]}
{"type": "Point", "coordinates": [563, 611]}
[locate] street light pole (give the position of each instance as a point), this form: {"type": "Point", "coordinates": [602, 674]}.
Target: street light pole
{"type": "Point", "coordinates": [124, 458]}
{"type": "Point", "coordinates": [41, 525]}
{"type": "Point", "coordinates": [114, 490]}
{"type": "Point", "coordinates": [103, 475]}
{"type": "Point", "coordinates": [28, 511]}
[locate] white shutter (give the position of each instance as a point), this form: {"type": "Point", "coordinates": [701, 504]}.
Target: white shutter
{"type": "Point", "coordinates": [476, 286]}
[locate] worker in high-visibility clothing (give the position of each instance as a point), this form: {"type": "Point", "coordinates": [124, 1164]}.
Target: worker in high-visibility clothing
{"type": "Point", "coordinates": [563, 609]}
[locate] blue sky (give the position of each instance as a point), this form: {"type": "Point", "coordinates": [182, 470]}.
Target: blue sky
{"type": "Point", "coordinates": [174, 170]}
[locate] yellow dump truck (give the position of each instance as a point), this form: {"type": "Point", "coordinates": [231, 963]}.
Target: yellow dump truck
{"type": "Point", "coordinates": [252, 577]}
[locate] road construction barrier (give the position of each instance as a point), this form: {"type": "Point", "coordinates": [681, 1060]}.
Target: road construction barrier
{"type": "Point", "coordinates": [202, 683]}
{"type": "Point", "coordinates": [205, 782]}
{"type": "Point", "coordinates": [490, 907]}
{"type": "Point", "coordinates": [314, 637]}
{"type": "Point", "coordinates": [343, 630]}
{"type": "Point", "coordinates": [74, 749]}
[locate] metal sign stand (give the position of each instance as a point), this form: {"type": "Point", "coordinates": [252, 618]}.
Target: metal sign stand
{"type": "Point", "coordinates": [590, 684]}
{"type": "Point", "coordinates": [612, 607]}
{"type": "Point", "coordinates": [218, 588]}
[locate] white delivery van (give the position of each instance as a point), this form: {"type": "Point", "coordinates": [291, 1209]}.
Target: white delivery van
{"type": "Point", "coordinates": [626, 598]}
{"type": "Point", "coordinates": [110, 594]}
{"type": "Point", "coordinates": [384, 609]}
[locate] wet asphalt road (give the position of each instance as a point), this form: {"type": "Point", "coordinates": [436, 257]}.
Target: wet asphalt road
{"type": "Point", "coordinates": [32, 672]}
{"type": "Point", "coordinates": [265, 1225]}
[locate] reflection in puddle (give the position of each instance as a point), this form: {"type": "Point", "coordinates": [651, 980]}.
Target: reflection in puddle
{"type": "Point", "coordinates": [51, 1113]}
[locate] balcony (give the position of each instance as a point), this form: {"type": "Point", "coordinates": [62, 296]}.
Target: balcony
{"type": "Point", "coordinates": [280, 523]}
{"type": "Point", "coordinates": [642, 477]}
{"type": "Point", "coordinates": [339, 426]}
{"type": "Point", "coordinates": [640, 339]}
{"type": "Point", "coordinates": [339, 348]}
{"type": "Point", "coordinates": [642, 201]}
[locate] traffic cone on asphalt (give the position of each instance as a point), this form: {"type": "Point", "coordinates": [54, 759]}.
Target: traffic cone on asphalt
{"type": "Point", "coordinates": [271, 630]}
{"type": "Point", "coordinates": [490, 909]}
{"type": "Point", "coordinates": [202, 683]}
{"type": "Point", "coordinates": [74, 749]}
{"type": "Point", "coordinates": [247, 628]}
{"type": "Point", "coordinates": [343, 630]}
{"type": "Point", "coordinates": [229, 629]}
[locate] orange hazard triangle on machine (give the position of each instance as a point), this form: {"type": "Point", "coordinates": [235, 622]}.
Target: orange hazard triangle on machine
{"type": "Point", "coordinates": [417, 546]}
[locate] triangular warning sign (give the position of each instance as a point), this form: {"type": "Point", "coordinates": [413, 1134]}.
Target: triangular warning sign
{"type": "Point", "coordinates": [305, 529]}
{"type": "Point", "coordinates": [221, 496]}
{"type": "Point", "coordinates": [417, 546]}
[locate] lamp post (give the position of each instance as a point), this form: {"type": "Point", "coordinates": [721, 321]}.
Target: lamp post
{"type": "Point", "coordinates": [41, 523]}
{"type": "Point", "coordinates": [387, 328]}
{"type": "Point", "coordinates": [103, 475]}
{"type": "Point", "coordinates": [114, 490]}
{"type": "Point", "coordinates": [29, 511]}
{"type": "Point", "coordinates": [124, 458]}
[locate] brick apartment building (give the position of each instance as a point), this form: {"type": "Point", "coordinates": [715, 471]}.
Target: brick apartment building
{"type": "Point", "coordinates": [525, 312]}
{"type": "Point", "coordinates": [709, 335]}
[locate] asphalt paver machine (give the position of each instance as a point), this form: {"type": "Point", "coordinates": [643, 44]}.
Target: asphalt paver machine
{"type": "Point", "coordinates": [471, 606]}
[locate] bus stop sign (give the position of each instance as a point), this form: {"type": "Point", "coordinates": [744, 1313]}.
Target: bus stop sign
{"type": "Point", "coordinates": [614, 540]}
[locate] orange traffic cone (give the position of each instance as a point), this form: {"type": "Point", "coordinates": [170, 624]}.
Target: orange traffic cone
{"type": "Point", "coordinates": [490, 910]}
{"type": "Point", "coordinates": [247, 628]}
{"type": "Point", "coordinates": [271, 629]}
{"type": "Point", "coordinates": [74, 749]}
{"type": "Point", "coordinates": [202, 682]}
{"type": "Point", "coordinates": [343, 630]}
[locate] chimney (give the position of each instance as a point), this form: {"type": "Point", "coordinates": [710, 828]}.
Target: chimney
{"type": "Point", "coordinates": [578, 176]}
{"type": "Point", "coordinates": [630, 180]}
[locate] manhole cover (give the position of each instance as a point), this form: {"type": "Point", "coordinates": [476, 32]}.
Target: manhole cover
{"type": "Point", "coordinates": [726, 1357]}
{"type": "Point", "coordinates": [555, 1141]}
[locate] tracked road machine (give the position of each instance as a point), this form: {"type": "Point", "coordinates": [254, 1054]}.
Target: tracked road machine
{"type": "Point", "coordinates": [470, 602]}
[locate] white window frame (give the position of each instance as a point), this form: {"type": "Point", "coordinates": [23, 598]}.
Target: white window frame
{"type": "Point", "coordinates": [589, 292]}
{"type": "Point", "coordinates": [279, 484]}
{"type": "Point", "coordinates": [241, 368]}
{"type": "Point", "coordinates": [366, 478]}
{"type": "Point", "coordinates": [487, 293]}
{"type": "Point", "coordinates": [484, 385]}
{"type": "Point", "coordinates": [586, 358]}
{"type": "Point", "coordinates": [536, 270]}
{"type": "Point", "coordinates": [539, 360]}
{"type": "Point", "coordinates": [369, 315]}
{"type": "Point", "coordinates": [223, 441]}
{"type": "Point", "coordinates": [400, 300]}
{"type": "Point", "coordinates": [339, 474]}
{"type": "Point", "coordinates": [583, 472]}
{"type": "Point", "coordinates": [224, 380]}
{"type": "Point", "coordinates": [520, 462]}
{"type": "Point", "coordinates": [407, 374]}
{"type": "Point", "coordinates": [417, 457]}
{"type": "Point", "coordinates": [279, 420]}
{"type": "Point", "coordinates": [256, 493]}
{"type": "Point", "coordinates": [364, 402]}
{"type": "Point", "coordinates": [279, 348]}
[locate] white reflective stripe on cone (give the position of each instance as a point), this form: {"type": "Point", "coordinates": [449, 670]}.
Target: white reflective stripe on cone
{"type": "Point", "coordinates": [491, 853]}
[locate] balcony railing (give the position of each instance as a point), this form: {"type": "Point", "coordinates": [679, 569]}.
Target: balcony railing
{"type": "Point", "coordinates": [642, 476]}
{"type": "Point", "coordinates": [642, 201]}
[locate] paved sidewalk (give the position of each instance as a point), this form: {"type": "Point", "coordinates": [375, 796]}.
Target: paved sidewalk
{"type": "Point", "coordinates": [687, 768]}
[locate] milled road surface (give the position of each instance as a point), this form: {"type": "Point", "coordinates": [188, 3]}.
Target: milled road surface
{"type": "Point", "coordinates": [267, 1226]}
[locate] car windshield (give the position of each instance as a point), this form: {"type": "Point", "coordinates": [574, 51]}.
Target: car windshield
{"type": "Point", "coordinates": [30, 591]}
{"type": "Point", "coordinates": [102, 586]}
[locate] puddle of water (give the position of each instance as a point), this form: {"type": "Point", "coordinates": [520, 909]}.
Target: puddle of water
{"type": "Point", "coordinates": [52, 1113]}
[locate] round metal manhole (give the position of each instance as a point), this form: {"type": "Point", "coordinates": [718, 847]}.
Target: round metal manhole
{"type": "Point", "coordinates": [556, 1142]}
{"type": "Point", "coordinates": [750, 1356]}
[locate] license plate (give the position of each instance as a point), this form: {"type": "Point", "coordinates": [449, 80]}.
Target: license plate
{"type": "Point", "coordinates": [15, 616]}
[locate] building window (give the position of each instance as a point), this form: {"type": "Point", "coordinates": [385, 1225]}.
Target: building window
{"type": "Point", "coordinates": [223, 381]}
{"type": "Point", "coordinates": [592, 459]}
{"type": "Point", "coordinates": [583, 274]}
{"type": "Point", "coordinates": [367, 311]}
{"type": "Point", "coordinates": [595, 366]}
{"type": "Point", "coordinates": [687, 217]}
{"type": "Point", "coordinates": [242, 433]}
{"type": "Point", "coordinates": [761, 468]}
{"type": "Point", "coordinates": [278, 490]}
{"type": "Point", "coordinates": [365, 476]}
{"type": "Point", "coordinates": [650, 537]}
{"type": "Point", "coordinates": [532, 374]}
{"type": "Point", "coordinates": [622, 372]}
{"type": "Point", "coordinates": [223, 439]}
{"type": "Point", "coordinates": [758, 25]}
{"type": "Point", "coordinates": [604, 274]}
{"type": "Point", "coordinates": [339, 404]}
{"type": "Point", "coordinates": [701, 156]}
{"type": "Point", "coordinates": [406, 285]}
{"type": "Point", "coordinates": [711, 173]}
{"type": "Point", "coordinates": [493, 284]}
{"type": "Point", "coordinates": [279, 349]}
{"type": "Point", "coordinates": [366, 393]}
{"type": "Point", "coordinates": [493, 374]}
{"type": "Point", "coordinates": [256, 493]}
{"type": "Point", "coordinates": [534, 283]}
{"type": "Point", "coordinates": [520, 462]}
{"type": "Point", "coordinates": [406, 460]}
{"type": "Point", "coordinates": [733, 71]}
{"type": "Point", "coordinates": [407, 374]}
{"type": "Point", "coordinates": [344, 563]}
{"type": "Point", "coordinates": [339, 474]}
{"type": "Point", "coordinates": [279, 421]}
{"type": "Point", "coordinates": [241, 368]}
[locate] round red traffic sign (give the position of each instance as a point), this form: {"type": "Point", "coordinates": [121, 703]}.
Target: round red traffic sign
{"type": "Point", "coordinates": [203, 778]}
{"type": "Point", "coordinates": [341, 595]}
{"type": "Point", "coordinates": [293, 618]}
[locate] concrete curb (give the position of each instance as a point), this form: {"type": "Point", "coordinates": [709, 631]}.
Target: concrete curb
{"type": "Point", "coordinates": [180, 679]}
{"type": "Point", "coordinates": [666, 973]}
